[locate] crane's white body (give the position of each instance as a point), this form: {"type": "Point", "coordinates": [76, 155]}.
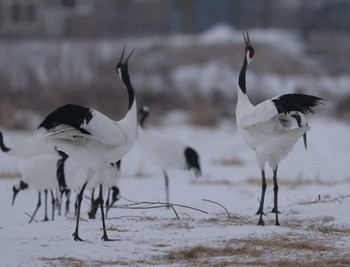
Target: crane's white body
{"type": "Point", "coordinates": [77, 176]}
{"type": "Point", "coordinates": [39, 172]}
{"type": "Point", "coordinates": [108, 142]}
{"type": "Point", "coordinates": [163, 151]}
{"type": "Point", "coordinates": [166, 152]}
{"type": "Point", "coordinates": [32, 146]}
{"type": "Point", "coordinates": [270, 134]}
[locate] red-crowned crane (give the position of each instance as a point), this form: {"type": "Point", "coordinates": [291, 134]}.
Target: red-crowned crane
{"type": "Point", "coordinates": [167, 152]}
{"type": "Point", "coordinates": [39, 172]}
{"type": "Point", "coordinates": [267, 127]}
{"type": "Point", "coordinates": [92, 139]}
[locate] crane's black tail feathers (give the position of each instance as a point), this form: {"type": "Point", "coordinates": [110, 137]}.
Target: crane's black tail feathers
{"type": "Point", "coordinates": [297, 102]}
{"type": "Point", "coordinates": [72, 115]}
{"type": "Point", "coordinates": [192, 161]}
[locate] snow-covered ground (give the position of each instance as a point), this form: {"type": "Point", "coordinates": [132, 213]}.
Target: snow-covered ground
{"type": "Point", "coordinates": [314, 205]}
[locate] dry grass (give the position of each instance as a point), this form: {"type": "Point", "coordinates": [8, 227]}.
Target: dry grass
{"type": "Point", "coordinates": [10, 175]}
{"type": "Point", "coordinates": [234, 161]}
{"type": "Point", "coordinates": [74, 262]}
{"type": "Point", "coordinates": [141, 174]}
{"type": "Point", "coordinates": [115, 228]}
{"type": "Point", "coordinates": [225, 182]}
{"type": "Point", "coordinates": [324, 199]}
{"type": "Point", "coordinates": [177, 224]}
{"type": "Point", "coordinates": [311, 242]}
{"type": "Point", "coordinates": [288, 249]}
{"type": "Point", "coordinates": [293, 183]}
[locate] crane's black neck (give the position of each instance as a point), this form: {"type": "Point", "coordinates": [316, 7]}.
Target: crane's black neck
{"type": "Point", "coordinates": [242, 74]}
{"type": "Point", "coordinates": [143, 117]}
{"type": "Point", "coordinates": [127, 83]}
{"type": "Point", "coordinates": [3, 147]}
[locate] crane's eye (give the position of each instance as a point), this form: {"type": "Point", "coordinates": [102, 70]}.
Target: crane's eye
{"type": "Point", "coordinates": [251, 53]}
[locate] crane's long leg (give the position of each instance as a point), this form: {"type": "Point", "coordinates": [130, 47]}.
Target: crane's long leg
{"type": "Point", "coordinates": [100, 202]}
{"type": "Point", "coordinates": [76, 205]}
{"type": "Point", "coordinates": [79, 200]}
{"type": "Point", "coordinates": [94, 206]}
{"type": "Point", "coordinates": [46, 218]}
{"type": "Point", "coordinates": [37, 207]}
{"type": "Point", "coordinates": [166, 178]}
{"type": "Point", "coordinates": [53, 202]}
{"type": "Point", "coordinates": [59, 201]}
{"type": "Point", "coordinates": [67, 201]}
{"type": "Point", "coordinates": [107, 202]}
{"type": "Point", "coordinates": [275, 196]}
{"type": "Point", "coordinates": [263, 190]}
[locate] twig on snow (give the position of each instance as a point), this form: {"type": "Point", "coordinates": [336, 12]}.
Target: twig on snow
{"type": "Point", "coordinates": [153, 205]}
{"type": "Point", "coordinates": [228, 214]}
{"type": "Point", "coordinates": [31, 217]}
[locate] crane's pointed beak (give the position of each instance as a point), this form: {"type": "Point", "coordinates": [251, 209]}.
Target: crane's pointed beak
{"type": "Point", "coordinates": [246, 37]}
{"type": "Point", "coordinates": [127, 59]}
{"type": "Point", "coordinates": [121, 57]}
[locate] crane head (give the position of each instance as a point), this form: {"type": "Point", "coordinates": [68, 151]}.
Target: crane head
{"type": "Point", "coordinates": [249, 50]}
{"type": "Point", "coordinates": [16, 188]}
{"type": "Point", "coordinates": [122, 67]}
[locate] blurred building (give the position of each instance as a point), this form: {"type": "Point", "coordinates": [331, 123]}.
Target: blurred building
{"type": "Point", "coordinates": [120, 18]}
{"type": "Point", "coordinates": [90, 19]}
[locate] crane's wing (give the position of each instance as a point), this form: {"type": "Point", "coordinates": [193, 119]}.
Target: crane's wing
{"type": "Point", "coordinates": [73, 122]}
{"type": "Point", "coordinates": [282, 104]}
{"type": "Point", "coordinates": [260, 113]}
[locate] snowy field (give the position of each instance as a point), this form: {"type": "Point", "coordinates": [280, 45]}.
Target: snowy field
{"type": "Point", "coordinates": [314, 204]}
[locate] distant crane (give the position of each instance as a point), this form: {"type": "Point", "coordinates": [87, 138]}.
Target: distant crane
{"type": "Point", "coordinates": [109, 183]}
{"type": "Point", "coordinates": [267, 127]}
{"type": "Point", "coordinates": [92, 139]}
{"type": "Point", "coordinates": [39, 172]}
{"type": "Point", "coordinates": [166, 152]}
{"type": "Point", "coordinates": [31, 150]}
{"type": "Point", "coordinates": [71, 177]}
{"type": "Point", "coordinates": [32, 146]}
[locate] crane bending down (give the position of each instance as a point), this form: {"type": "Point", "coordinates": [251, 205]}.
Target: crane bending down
{"type": "Point", "coordinates": [166, 152]}
{"type": "Point", "coordinates": [39, 172]}
{"type": "Point", "coordinates": [71, 177]}
{"type": "Point", "coordinates": [92, 139]}
{"type": "Point", "coordinates": [267, 127]}
{"type": "Point", "coordinates": [40, 160]}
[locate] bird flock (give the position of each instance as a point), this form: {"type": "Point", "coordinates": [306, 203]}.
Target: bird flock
{"type": "Point", "coordinates": [77, 148]}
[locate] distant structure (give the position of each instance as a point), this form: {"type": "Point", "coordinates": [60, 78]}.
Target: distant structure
{"type": "Point", "coordinates": [91, 18]}
{"type": "Point", "coordinates": [120, 18]}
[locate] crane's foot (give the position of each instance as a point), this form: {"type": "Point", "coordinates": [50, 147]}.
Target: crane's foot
{"type": "Point", "coordinates": [76, 237]}
{"type": "Point", "coordinates": [274, 210]}
{"type": "Point", "coordinates": [261, 222]}
{"type": "Point", "coordinates": [106, 238]}
{"type": "Point", "coordinates": [45, 219]}
{"type": "Point", "coordinates": [277, 223]}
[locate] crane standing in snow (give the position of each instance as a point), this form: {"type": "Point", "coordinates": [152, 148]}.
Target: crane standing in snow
{"type": "Point", "coordinates": [267, 127]}
{"type": "Point", "coordinates": [166, 152]}
{"type": "Point", "coordinates": [92, 139]}
{"type": "Point", "coordinates": [39, 172]}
